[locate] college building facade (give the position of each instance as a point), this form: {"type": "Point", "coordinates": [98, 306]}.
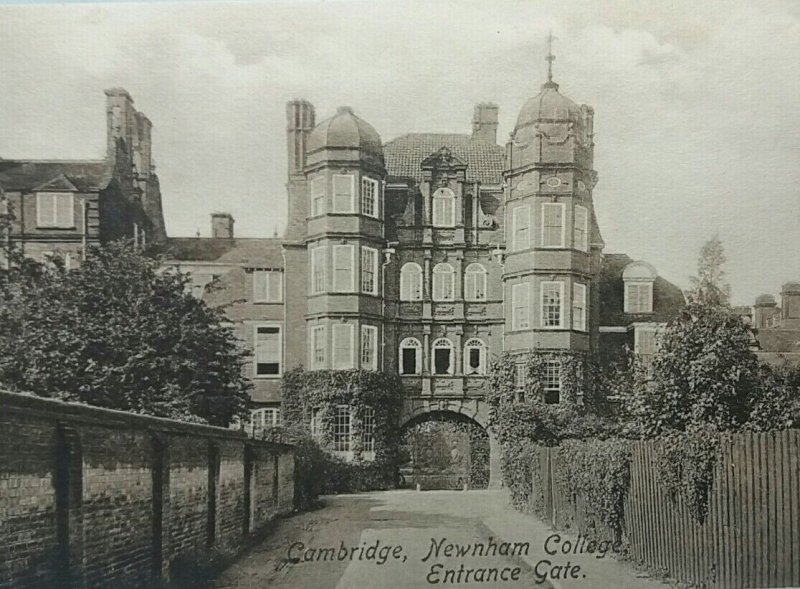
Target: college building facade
{"type": "Point", "coordinates": [427, 256]}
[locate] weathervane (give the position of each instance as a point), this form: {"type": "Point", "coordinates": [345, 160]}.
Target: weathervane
{"type": "Point", "coordinates": [550, 59]}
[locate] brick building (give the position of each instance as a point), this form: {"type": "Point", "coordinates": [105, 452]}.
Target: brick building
{"type": "Point", "coordinates": [429, 255]}
{"type": "Point", "coordinates": [777, 328]}
{"type": "Point", "coordinates": [60, 207]}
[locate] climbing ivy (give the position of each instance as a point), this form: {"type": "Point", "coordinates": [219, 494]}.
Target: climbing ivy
{"type": "Point", "coordinates": [598, 471]}
{"type": "Point", "coordinates": [686, 462]}
{"type": "Point", "coordinates": [319, 392]}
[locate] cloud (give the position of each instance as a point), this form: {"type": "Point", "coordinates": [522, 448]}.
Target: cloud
{"type": "Point", "coordinates": [697, 130]}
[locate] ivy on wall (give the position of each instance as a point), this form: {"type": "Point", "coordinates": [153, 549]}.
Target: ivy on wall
{"type": "Point", "coordinates": [319, 392]}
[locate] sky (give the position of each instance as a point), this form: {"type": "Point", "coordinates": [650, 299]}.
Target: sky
{"type": "Point", "coordinates": [697, 103]}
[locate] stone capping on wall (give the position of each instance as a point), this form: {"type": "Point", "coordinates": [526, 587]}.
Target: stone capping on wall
{"type": "Point", "coordinates": [88, 414]}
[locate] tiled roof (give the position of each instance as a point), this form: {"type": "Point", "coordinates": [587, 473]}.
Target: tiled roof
{"type": "Point", "coordinates": [667, 298]}
{"type": "Point", "coordinates": [86, 176]}
{"type": "Point", "coordinates": [405, 154]}
{"type": "Point", "coordinates": [246, 252]}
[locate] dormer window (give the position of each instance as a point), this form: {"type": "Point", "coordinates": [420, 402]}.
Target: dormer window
{"type": "Point", "coordinates": [639, 278]}
{"type": "Point", "coordinates": [55, 209]}
{"type": "Point", "coordinates": [444, 208]}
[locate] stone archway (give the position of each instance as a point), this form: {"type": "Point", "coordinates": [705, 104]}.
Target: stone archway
{"type": "Point", "coordinates": [445, 449]}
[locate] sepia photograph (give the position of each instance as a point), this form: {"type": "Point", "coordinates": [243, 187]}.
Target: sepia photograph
{"type": "Point", "coordinates": [371, 294]}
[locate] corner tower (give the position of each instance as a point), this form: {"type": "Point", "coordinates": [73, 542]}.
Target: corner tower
{"type": "Point", "coordinates": [553, 246]}
{"type": "Point", "coordinates": [345, 173]}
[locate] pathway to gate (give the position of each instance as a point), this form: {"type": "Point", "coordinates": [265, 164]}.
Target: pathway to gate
{"type": "Point", "coordinates": [418, 535]}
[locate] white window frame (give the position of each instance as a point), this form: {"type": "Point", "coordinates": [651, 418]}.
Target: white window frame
{"type": "Point", "coordinates": [410, 343]}
{"type": "Point", "coordinates": [547, 386]}
{"type": "Point", "coordinates": [279, 326]}
{"type": "Point", "coordinates": [542, 317]}
{"type": "Point", "coordinates": [581, 230]}
{"type": "Point", "coordinates": [438, 285]}
{"type": "Point", "coordinates": [370, 251]}
{"type": "Point", "coordinates": [352, 208]}
{"type": "Point", "coordinates": [628, 299]}
{"type": "Point", "coordinates": [342, 443]}
{"type": "Point", "coordinates": [444, 194]}
{"type": "Point", "coordinates": [650, 328]}
{"type": "Point", "coordinates": [317, 195]}
{"type": "Point", "coordinates": [563, 208]}
{"type": "Point", "coordinates": [579, 311]}
{"type": "Point", "coordinates": [475, 343]}
{"type": "Point", "coordinates": [55, 221]}
{"type": "Point", "coordinates": [318, 343]}
{"type": "Point", "coordinates": [474, 277]}
{"type": "Point", "coordinates": [268, 277]}
{"type": "Point", "coordinates": [366, 181]}
{"type": "Point", "coordinates": [519, 243]}
{"type": "Point", "coordinates": [352, 254]}
{"type": "Point", "coordinates": [369, 343]}
{"type": "Point", "coordinates": [259, 419]}
{"type": "Point", "coordinates": [441, 344]}
{"type": "Point", "coordinates": [520, 375]}
{"type": "Point", "coordinates": [519, 292]}
{"type": "Point", "coordinates": [337, 363]}
{"type": "Point", "coordinates": [319, 266]}
{"type": "Point", "coordinates": [368, 433]}
{"type": "Point", "coordinates": [407, 291]}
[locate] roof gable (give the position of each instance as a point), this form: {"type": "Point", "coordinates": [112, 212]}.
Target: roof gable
{"type": "Point", "coordinates": [59, 183]}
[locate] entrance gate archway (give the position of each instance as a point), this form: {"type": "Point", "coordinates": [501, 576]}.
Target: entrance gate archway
{"type": "Point", "coordinates": [444, 450]}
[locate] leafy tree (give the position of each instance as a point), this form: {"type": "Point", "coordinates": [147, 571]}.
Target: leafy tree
{"type": "Point", "coordinates": [120, 333]}
{"type": "Point", "coordinates": [709, 286]}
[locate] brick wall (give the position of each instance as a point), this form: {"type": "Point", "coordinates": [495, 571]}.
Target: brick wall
{"type": "Point", "coordinates": [101, 498]}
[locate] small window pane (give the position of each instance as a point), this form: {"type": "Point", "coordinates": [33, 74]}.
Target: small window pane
{"type": "Point", "coordinates": [551, 304]}
{"type": "Point", "coordinates": [411, 282]}
{"type": "Point", "coordinates": [343, 193]}
{"type": "Point", "coordinates": [369, 270]}
{"type": "Point", "coordinates": [368, 430]}
{"type": "Point", "coordinates": [520, 302]}
{"type": "Point", "coordinates": [268, 351]}
{"type": "Point", "coordinates": [552, 225]}
{"type": "Point", "coordinates": [343, 268]}
{"type": "Point", "coordinates": [341, 429]}
{"type": "Point", "coordinates": [551, 384]}
{"type": "Point", "coordinates": [342, 347]}
{"type": "Point", "coordinates": [369, 197]}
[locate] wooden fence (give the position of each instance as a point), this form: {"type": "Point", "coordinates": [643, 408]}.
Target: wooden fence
{"type": "Point", "coordinates": [750, 538]}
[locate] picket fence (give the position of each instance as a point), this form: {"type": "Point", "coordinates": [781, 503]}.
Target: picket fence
{"type": "Point", "coordinates": [750, 538]}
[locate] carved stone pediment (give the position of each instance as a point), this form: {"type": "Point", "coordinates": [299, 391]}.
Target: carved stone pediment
{"type": "Point", "coordinates": [443, 160]}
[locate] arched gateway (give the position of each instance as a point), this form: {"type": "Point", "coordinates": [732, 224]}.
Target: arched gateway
{"type": "Point", "coordinates": [446, 445]}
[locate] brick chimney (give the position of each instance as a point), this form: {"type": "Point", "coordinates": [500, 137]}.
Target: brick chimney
{"type": "Point", "coordinates": [484, 122]}
{"type": "Point", "coordinates": [222, 225]}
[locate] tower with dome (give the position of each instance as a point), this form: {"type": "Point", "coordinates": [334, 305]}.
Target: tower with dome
{"type": "Point", "coordinates": [430, 256]}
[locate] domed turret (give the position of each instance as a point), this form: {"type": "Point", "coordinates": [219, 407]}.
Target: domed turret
{"type": "Point", "coordinates": [345, 130]}
{"type": "Point", "coordinates": [548, 105]}
{"type": "Point", "coordinates": [765, 300]}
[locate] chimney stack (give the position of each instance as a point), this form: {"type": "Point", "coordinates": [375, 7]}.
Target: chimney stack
{"type": "Point", "coordinates": [484, 122]}
{"type": "Point", "coordinates": [764, 311]}
{"type": "Point", "coordinates": [222, 225]}
{"type": "Point", "coordinates": [790, 305]}
{"type": "Point", "coordinates": [300, 121]}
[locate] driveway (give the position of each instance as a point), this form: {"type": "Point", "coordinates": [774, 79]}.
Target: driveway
{"type": "Point", "coordinates": [409, 539]}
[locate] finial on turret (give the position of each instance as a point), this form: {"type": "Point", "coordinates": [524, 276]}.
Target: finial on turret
{"type": "Point", "coordinates": [550, 59]}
